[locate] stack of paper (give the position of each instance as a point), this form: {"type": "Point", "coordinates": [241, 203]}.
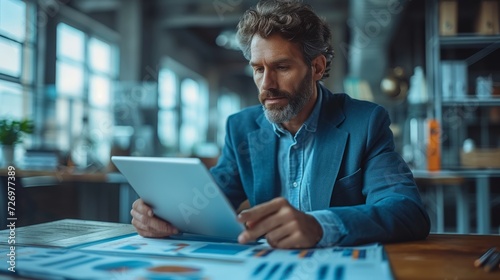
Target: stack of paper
{"type": "Point", "coordinates": [102, 250]}
{"type": "Point", "coordinates": [135, 257]}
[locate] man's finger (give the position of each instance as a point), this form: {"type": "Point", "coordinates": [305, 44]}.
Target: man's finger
{"type": "Point", "coordinates": [264, 226]}
{"type": "Point", "coordinates": [294, 241]}
{"type": "Point", "coordinates": [140, 217]}
{"type": "Point", "coordinates": [145, 233]}
{"type": "Point", "coordinates": [261, 227]}
{"type": "Point", "coordinates": [260, 211]}
{"type": "Point", "coordinates": [152, 224]}
{"type": "Point", "coordinates": [142, 207]}
{"type": "Point", "coordinates": [278, 235]}
{"type": "Point", "coordinates": [161, 226]}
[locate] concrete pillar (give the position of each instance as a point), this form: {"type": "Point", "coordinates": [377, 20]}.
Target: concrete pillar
{"type": "Point", "coordinates": [129, 26]}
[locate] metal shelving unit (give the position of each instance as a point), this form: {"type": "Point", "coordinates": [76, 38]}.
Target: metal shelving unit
{"type": "Point", "coordinates": [489, 102]}
{"type": "Point", "coordinates": [484, 45]}
{"type": "Point", "coordinates": [469, 40]}
{"type": "Point", "coordinates": [447, 110]}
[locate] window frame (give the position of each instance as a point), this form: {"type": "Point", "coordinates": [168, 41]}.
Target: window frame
{"type": "Point", "coordinates": [91, 30]}
{"type": "Point", "coordinates": [27, 76]}
{"type": "Point", "coordinates": [182, 73]}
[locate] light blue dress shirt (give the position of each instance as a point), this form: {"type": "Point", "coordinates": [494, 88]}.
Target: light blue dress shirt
{"type": "Point", "coordinates": [295, 159]}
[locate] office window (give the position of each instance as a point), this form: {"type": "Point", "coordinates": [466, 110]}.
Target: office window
{"type": "Point", "coordinates": [190, 114]}
{"type": "Point", "coordinates": [227, 104]}
{"type": "Point", "coordinates": [70, 76]}
{"type": "Point", "coordinates": [70, 65]}
{"type": "Point", "coordinates": [11, 100]}
{"type": "Point", "coordinates": [13, 19]}
{"type": "Point", "coordinates": [100, 89]}
{"type": "Point", "coordinates": [70, 43]}
{"type": "Point", "coordinates": [17, 60]}
{"type": "Point", "coordinates": [100, 56]}
{"type": "Point", "coordinates": [183, 109]}
{"type": "Point", "coordinates": [85, 75]}
{"type": "Point", "coordinates": [100, 115]}
{"type": "Point", "coordinates": [102, 74]}
{"type": "Point", "coordinates": [69, 79]}
{"type": "Point", "coordinates": [167, 104]}
{"type": "Point", "coordinates": [11, 57]}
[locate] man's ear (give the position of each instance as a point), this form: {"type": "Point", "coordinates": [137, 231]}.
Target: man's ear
{"type": "Point", "coordinates": [318, 65]}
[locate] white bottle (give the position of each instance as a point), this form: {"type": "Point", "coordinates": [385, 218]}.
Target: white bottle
{"type": "Point", "coordinates": [82, 148]}
{"type": "Point", "coordinates": [418, 87]}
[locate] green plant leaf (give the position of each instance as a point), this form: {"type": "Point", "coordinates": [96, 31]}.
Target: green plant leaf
{"type": "Point", "coordinates": [12, 131]}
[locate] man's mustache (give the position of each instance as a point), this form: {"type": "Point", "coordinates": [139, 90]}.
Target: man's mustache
{"type": "Point", "coordinates": [273, 94]}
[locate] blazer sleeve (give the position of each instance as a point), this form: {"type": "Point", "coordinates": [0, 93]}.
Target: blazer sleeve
{"type": "Point", "coordinates": [393, 210]}
{"type": "Point", "coordinates": [226, 173]}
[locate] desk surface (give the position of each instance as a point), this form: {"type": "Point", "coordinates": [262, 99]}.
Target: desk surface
{"type": "Point", "coordinates": [69, 175]}
{"type": "Point", "coordinates": [442, 256]}
{"type": "Point", "coordinates": [38, 178]}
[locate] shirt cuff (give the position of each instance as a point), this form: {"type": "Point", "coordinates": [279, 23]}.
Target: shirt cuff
{"type": "Point", "coordinates": [333, 228]}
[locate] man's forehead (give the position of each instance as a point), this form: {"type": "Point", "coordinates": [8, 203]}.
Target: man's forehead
{"type": "Point", "coordinates": [274, 45]}
{"type": "Point", "coordinates": [274, 37]}
{"type": "Point", "coordinates": [275, 60]}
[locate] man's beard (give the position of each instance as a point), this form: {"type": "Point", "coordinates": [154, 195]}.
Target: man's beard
{"type": "Point", "coordinates": [296, 101]}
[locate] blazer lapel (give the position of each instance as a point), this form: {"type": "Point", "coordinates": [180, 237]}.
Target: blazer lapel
{"type": "Point", "coordinates": [329, 150]}
{"type": "Point", "coordinates": [263, 150]}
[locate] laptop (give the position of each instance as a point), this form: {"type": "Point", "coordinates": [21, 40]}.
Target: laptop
{"type": "Point", "coordinates": [183, 192]}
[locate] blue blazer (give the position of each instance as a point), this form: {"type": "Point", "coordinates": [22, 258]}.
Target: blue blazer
{"type": "Point", "coordinates": [358, 175]}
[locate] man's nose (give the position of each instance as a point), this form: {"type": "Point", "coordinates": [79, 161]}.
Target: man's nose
{"type": "Point", "coordinates": [268, 80]}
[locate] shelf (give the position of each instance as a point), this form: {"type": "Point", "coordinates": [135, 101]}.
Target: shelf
{"type": "Point", "coordinates": [469, 40]}
{"type": "Point", "coordinates": [456, 173]}
{"type": "Point", "coordinates": [472, 101]}
{"type": "Point", "coordinates": [459, 113]}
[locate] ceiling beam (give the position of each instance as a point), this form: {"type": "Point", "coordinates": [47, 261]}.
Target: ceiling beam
{"type": "Point", "coordinates": [181, 21]}
{"type": "Point", "coordinates": [90, 6]}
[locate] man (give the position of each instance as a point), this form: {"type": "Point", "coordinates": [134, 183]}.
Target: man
{"type": "Point", "coordinates": [318, 169]}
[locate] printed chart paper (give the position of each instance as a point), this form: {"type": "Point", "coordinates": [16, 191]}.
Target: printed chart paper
{"type": "Point", "coordinates": [135, 257]}
{"type": "Point", "coordinates": [49, 263]}
{"type": "Point", "coordinates": [232, 251]}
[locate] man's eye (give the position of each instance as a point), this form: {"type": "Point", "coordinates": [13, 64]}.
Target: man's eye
{"type": "Point", "coordinates": [282, 67]}
{"type": "Point", "coordinates": [258, 69]}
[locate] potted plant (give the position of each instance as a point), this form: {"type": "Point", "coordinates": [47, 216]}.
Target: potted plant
{"type": "Point", "coordinates": [11, 133]}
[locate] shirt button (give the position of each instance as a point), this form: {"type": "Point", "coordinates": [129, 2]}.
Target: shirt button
{"type": "Point", "coordinates": [295, 147]}
{"type": "Point", "coordinates": [295, 184]}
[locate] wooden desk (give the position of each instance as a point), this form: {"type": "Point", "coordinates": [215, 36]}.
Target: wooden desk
{"type": "Point", "coordinates": [442, 256]}
{"type": "Point", "coordinates": [69, 175]}
{"type": "Point", "coordinates": [34, 178]}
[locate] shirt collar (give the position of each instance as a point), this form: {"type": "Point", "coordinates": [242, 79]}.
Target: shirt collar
{"type": "Point", "coordinates": [310, 124]}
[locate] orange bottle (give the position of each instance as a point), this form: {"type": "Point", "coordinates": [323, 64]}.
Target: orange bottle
{"type": "Point", "coordinates": [433, 147]}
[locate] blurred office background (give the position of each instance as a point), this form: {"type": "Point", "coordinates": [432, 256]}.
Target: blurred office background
{"type": "Point", "coordinates": [159, 78]}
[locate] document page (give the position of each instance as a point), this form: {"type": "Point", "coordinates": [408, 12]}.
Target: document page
{"type": "Point", "coordinates": [66, 233]}
{"type": "Point", "coordinates": [135, 257]}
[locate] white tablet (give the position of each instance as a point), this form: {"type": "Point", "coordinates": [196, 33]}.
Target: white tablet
{"type": "Point", "coordinates": [183, 192]}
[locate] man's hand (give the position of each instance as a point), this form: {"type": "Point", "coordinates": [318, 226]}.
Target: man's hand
{"type": "Point", "coordinates": [282, 225]}
{"type": "Point", "coordinates": [147, 224]}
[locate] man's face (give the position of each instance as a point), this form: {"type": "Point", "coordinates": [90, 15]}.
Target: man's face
{"type": "Point", "coordinates": [283, 78]}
